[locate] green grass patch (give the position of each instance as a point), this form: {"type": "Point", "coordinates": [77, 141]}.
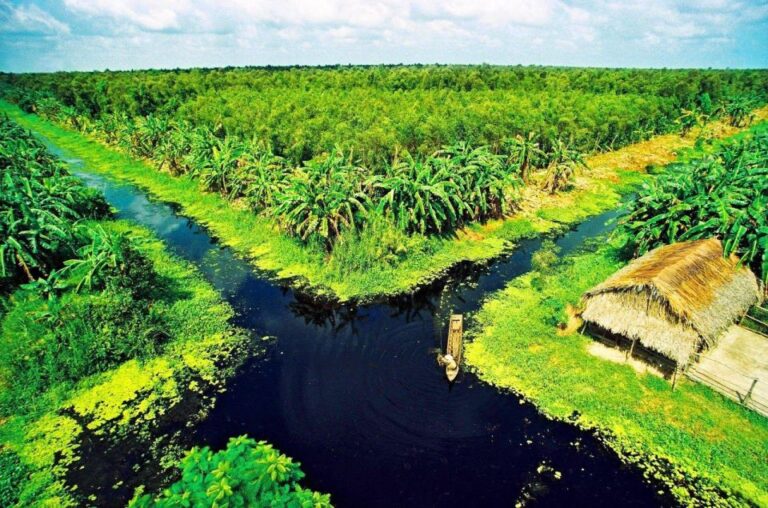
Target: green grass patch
{"type": "Point", "coordinates": [362, 273]}
{"type": "Point", "coordinates": [706, 448]}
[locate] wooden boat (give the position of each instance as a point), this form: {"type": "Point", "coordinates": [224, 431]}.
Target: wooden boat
{"type": "Point", "coordinates": [453, 346]}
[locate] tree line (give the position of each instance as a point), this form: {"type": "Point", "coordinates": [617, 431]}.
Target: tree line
{"type": "Point", "coordinates": [427, 149]}
{"type": "Point", "coordinates": [379, 111]}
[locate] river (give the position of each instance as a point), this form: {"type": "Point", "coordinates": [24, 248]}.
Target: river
{"type": "Point", "coordinates": [354, 392]}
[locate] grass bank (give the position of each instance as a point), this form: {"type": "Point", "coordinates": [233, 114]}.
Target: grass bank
{"type": "Point", "coordinates": [707, 449]}
{"type": "Point", "coordinates": [43, 437]}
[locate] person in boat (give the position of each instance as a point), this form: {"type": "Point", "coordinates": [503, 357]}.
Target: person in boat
{"type": "Point", "coordinates": [451, 367]}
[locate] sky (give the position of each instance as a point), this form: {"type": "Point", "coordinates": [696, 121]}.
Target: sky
{"type": "Point", "coordinates": [47, 35]}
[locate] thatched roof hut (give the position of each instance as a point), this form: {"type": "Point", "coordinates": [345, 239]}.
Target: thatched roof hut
{"type": "Point", "coordinates": [675, 300]}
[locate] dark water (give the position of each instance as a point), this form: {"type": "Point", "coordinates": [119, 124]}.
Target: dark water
{"type": "Point", "coordinates": [355, 395]}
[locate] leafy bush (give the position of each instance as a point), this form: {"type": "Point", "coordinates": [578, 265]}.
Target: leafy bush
{"type": "Point", "coordinates": [40, 205]}
{"type": "Point", "coordinates": [723, 195]}
{"type": "Point", "coordinates": [322, 199]}
{"type": "Point", "coordinates": [110, 261]}
{"type": "Point", "coordinates": [12, 473]}
{"type": "Point", "coordinates": [45, 341]}
{"type": "Point", "coordinates": [246, 473]}
{"type": "Point", "coordinates": [564, 161]}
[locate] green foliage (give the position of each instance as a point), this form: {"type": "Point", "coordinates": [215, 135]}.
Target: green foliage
{"type": "Point", "coordinates": [497, 124]}
{"type": "Point", "coordinates": [441, 192]}
{"type": "Point", "coordinates": [322, 199]}
{"type": "Point", "coordinates": [12, 473]}
{"type": "Point", "coordinates": [379, 243]}
{"type": "Point", "coordinates": [254, 235]}
{"type": "Point", "coordinates": [738, 109]}
{"type": "Point", "coordinates": [46, 341]}
{"type": "Point", "coordinates": [688, 119]}
{"type": "Point", "coordinates": [51, 334]}
{"type": "Point", "coordinates": [381, 110]}
{"type": "Point", "coordinates": [40, 205]}
{"type": "Point", "coordinates": [564, 161]}
{"type": "Point", "coordinates": [110, 261]}
{"type": "Point", "coordinates": [723, 194]}
{"type": "Point", "coordinates": [245, 473]}
{"type": "Point", "coordinates": [525, 152]}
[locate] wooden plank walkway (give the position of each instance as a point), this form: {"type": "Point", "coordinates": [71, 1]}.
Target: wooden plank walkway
{"type": "Point", "coordinates": [737, 367]}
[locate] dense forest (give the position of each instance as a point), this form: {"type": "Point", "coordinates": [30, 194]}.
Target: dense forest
{"type": "Point", "coordinates": [380, 110]}
{"type": "Point", "coordinates": [360, 168]}
{"type": "Point", "coordinates": [427, 149]}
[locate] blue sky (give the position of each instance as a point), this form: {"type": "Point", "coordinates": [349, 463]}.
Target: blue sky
{"type": "Point", "coordinates": [44, 35]}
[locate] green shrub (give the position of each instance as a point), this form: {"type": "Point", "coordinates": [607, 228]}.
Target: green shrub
{"type": "Point", "coordinates": [723, 195]}
{"type": "Point", "coordinates": [45, 341]}
{"type": "Point", "coordinates": [40, 204]}
{"type": "Point", "coordinates": [12, 473]}
{"type": "Point", "coordinates": [246, 473]}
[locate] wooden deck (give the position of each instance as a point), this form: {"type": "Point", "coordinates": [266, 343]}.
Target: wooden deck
{"type": "Point", "coordinates": [737, 367]}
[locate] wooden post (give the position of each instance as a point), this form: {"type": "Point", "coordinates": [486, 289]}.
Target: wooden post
{"type": "Point", "coordinates": [674, 377]}
{"type": "Point", "coordinates": [749, 393]}
{"type": "Point", "coordinates": [631, 349]}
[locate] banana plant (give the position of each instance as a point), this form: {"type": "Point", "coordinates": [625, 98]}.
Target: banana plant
{"type": "Point", "coordinates": [524, 151]}
{"type": "Point", "coordinates": [723, 195]}
{"type": "Point", "coordinates": [322, 199]}
{"type": "Point", "coordinates": [564, 162]}
{"type": "Point", "coordinates": [423, 196]}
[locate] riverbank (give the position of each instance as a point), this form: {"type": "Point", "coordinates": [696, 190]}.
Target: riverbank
{"type": "Point", "coordinates": [601, 188]}
{"type": "Point", "coordinates": [707, 449]}
{"type": "Point", "coordinates": [45, 439]}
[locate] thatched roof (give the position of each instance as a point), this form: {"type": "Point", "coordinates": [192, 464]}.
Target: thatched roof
{"type": "Point", "coordinates": [675, 298]}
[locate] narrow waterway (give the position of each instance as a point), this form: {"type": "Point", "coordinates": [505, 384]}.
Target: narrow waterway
{"type": "Point", "coordinates": [355, 394]}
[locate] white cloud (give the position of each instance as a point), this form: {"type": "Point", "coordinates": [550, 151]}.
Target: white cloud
{"type": "Point", "coordinates": [211, 32]}
{"type": "Point", "coordinates": [29, 19]}
{"type": "Point", "coordinates": [146, 14]}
